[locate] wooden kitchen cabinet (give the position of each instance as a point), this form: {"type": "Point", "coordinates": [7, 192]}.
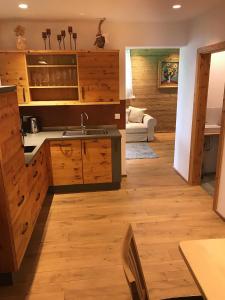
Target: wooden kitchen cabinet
{"type": "Point", "coordinates": [62, 77]}
{"type": "Point", "coordinates": [66, 162]}
{"type": "Point", "coordinates": [99, 76]}
{"type": "Point", "coordinates": [87, 161]}
{"type": "Point", "coordinates": [97, 160]}
{"type": "Point", "coordinates": [13, 71]}
{"type": "Point", "coordinates": [22, 188]}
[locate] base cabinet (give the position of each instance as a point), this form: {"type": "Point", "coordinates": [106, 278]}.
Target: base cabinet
{"type": "Point", "coordinates": [86, 161]}
{"type": "Point", "coordinates": [97, 161]}
{"type": "Point", "coordinates": [22, 189]}
{"type": "Point", "coordinates": [66, 162]}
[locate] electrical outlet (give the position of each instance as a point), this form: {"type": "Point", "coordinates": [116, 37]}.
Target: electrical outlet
{"type": "Point", "coordinates": [117, 116]}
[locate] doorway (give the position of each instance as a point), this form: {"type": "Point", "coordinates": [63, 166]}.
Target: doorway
{"type": "Point", "coordinates": [151, 86]}
{"type": "Point", "coordinates": [200, 115]}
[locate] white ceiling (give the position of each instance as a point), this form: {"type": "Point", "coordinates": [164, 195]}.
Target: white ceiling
{"type": "Point", "coordinates": [113, 10]}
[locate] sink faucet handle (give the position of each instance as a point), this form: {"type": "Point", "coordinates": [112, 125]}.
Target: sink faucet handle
{"type": "Point", "coordinates": [82, 119]}
{"type": "Point", "coordinates": [86, 115]}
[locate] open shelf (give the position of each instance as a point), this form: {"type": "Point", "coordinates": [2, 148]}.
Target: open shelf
{"type": "Point", "coordinates": [54, 87]}
{"type": "Point", "coordinates": [64, 103]}
{"type": "Point", "coordinates": [52, 66]}
{"type": "Point", "coordinates": [56, 93]}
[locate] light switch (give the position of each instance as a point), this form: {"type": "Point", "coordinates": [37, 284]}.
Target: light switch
{"type": "Point", "coordinates": [117, 117]}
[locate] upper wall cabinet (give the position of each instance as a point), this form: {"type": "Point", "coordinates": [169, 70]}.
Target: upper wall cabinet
{"type": "Point", "coordinates": [13, 71]}
{"type": "Point", "coordinates": [62, 77]}
{"type": "Point", "coordinates": [99, 76]}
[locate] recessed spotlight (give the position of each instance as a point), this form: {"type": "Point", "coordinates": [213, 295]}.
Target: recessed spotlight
{"type": "Point", "coordinates": [82, 14]}
{"type": "Point", "coordinates": [177, 6]}
{"type": "Point", "coordinates": [23, 6]}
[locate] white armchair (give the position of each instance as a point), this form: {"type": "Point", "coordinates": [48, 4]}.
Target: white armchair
{"type": "Point", "coordinates": [150, 123]}
{"type": "Point", "coordinates": [141, 132]}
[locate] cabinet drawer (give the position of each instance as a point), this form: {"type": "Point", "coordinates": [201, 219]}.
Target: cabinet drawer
{"type": "Point", "coordinates": [35, 168]}
{"type": "Point", "coordinates": [18, 196]}
{"type": "Point", "coordinates": [37, 197]}
{"type": "Point", "coordinates": [11, 146]}
{"type": "Point", "coordinates": [12, 171]}
{"type": "Point", "coordinates": [25, 221]}
{"type": "Point", "coordinates": [41, 184]}
{"type": "Point", "coordinates": [22, 229]}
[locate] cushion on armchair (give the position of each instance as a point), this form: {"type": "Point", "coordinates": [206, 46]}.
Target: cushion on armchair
{"type": "Point", "coordinates": [136, 128]}
{"type": "Point", "coordinates": [136, 115]}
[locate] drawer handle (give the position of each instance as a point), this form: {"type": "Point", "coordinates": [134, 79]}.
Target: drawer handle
{"type": "Point", "coordinates": [83, 92]}
{"type": "Point", "coordinates": [66, 152]}
{"type": "Point", "coordinates": [84, 148]}
{"type": "Point", "coordinates": [38, 197]}
{"type": "Point", "coordinates": [35, 174]}
{"type": "Point", "coordinates": [25, 227]}
{"type": "Point", "coordinates": [42, 160]}
{"type": "Point", "coordinates": [34, 163]}
{"type": "Point", "coordinates": [22, 198]}
{"type": "Point", "coordinates": [14, 182]}
{"type": "Point", "coordinates": [24, 95]}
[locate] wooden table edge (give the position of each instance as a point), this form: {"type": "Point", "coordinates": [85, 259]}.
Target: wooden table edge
{"type": "Point", "coordinates": [190, 270]}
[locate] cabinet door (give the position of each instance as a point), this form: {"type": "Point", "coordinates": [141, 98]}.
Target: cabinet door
{"type": "Point", "coordinates": [98, 76]}
{"type": "Point", "coordinates": [97, 160]}
{"type": "Point", "coordinates": [66, 162]}
{"type": "Point", "coordinates": [14, 72]}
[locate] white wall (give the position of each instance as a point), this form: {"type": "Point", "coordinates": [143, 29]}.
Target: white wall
{"type": "Point", "coordinates": [121, 35]}
{"type": "Point", "coordinates": [216, 81]}
{"type": "Point", "coordinates": [205, 30]}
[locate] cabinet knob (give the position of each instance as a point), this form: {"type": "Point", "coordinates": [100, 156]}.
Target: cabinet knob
{"type": "Point", "coordinates": [35, 174]}
{"type": "Point", "coordinates": [38, 197]}
{"type": "Point", "coordinates": [34, 163]}
{"type": "Point", "coordinates": [25, 227]}
{"type": "Point", "coordinates": [22, 198]}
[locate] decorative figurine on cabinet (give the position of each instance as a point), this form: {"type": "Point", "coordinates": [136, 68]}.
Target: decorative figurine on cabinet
{"type": "Point", "coordinates": [100, 38]}
{"type": "Point", "coordinates": [21, 42]}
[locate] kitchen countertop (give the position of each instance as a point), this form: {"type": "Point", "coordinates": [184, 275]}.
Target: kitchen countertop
{"type": "Point", "coordinates": [7, 88]}
{"type": "Point", "coordinates": [37, 139]}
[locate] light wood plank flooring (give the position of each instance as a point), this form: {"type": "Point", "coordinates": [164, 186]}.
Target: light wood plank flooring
{"type": "Point", "coordinates": [75, 250]}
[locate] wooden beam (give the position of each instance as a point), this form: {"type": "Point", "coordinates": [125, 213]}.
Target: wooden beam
{"type": "Point", "coordinates": [220, 157]}
{"type": "Point", "coordinates": [199, 116]}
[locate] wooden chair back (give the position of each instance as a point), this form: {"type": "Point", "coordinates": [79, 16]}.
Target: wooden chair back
{"type": "Point", "coordinates": [133, 269]}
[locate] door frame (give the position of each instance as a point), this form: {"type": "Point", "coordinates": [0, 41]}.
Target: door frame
{"type": "Point", "coordinates": [199, 117]}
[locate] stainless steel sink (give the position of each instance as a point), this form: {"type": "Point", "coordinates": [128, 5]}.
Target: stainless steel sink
{"type": "Point", "coordinates": [74, 133]}
{"type": "Point", "coordinates": [100, 131]}
{"type": "Point", "coordinates": [29, 149]}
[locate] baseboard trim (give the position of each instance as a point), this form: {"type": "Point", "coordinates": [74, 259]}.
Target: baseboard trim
{"type": "Point", "coordinates": [178, 173]}
{"type": "Point", "coordinates": [219, 215]}
{"type": "Point", "coordinates": [6, 279]}
{"type": "Point", "coordinates": [60, 189]}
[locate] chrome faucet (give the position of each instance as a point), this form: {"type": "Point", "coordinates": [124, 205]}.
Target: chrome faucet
{"type": "Point", "coordinates": [82, 115]}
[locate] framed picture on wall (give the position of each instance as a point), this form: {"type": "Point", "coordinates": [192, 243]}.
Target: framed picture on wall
{"type": "Point", "coordinates": [168, 74]}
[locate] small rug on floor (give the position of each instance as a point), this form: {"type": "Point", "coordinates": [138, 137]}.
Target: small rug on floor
{"type": "Point", "coordinates": [139, 151]}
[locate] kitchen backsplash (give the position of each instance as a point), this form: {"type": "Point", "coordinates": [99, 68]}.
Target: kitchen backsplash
{"type": "Point", "coordinates": [50, 116]}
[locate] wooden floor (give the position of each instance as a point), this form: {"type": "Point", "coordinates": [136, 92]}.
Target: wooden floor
{"type": "Point", "coordinates": [75, 250]}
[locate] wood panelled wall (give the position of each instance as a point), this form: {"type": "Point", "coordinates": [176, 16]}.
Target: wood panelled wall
{"type": "Point", "coordinates": [160, 103]}
{"type": "Point", "coordinates": [51, 116]}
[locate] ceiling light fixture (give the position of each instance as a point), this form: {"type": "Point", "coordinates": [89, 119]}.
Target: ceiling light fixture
{"type": "Point", "coordinates": [177, 6]}
{"type": "Point", "coordinates": [23, 6]}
